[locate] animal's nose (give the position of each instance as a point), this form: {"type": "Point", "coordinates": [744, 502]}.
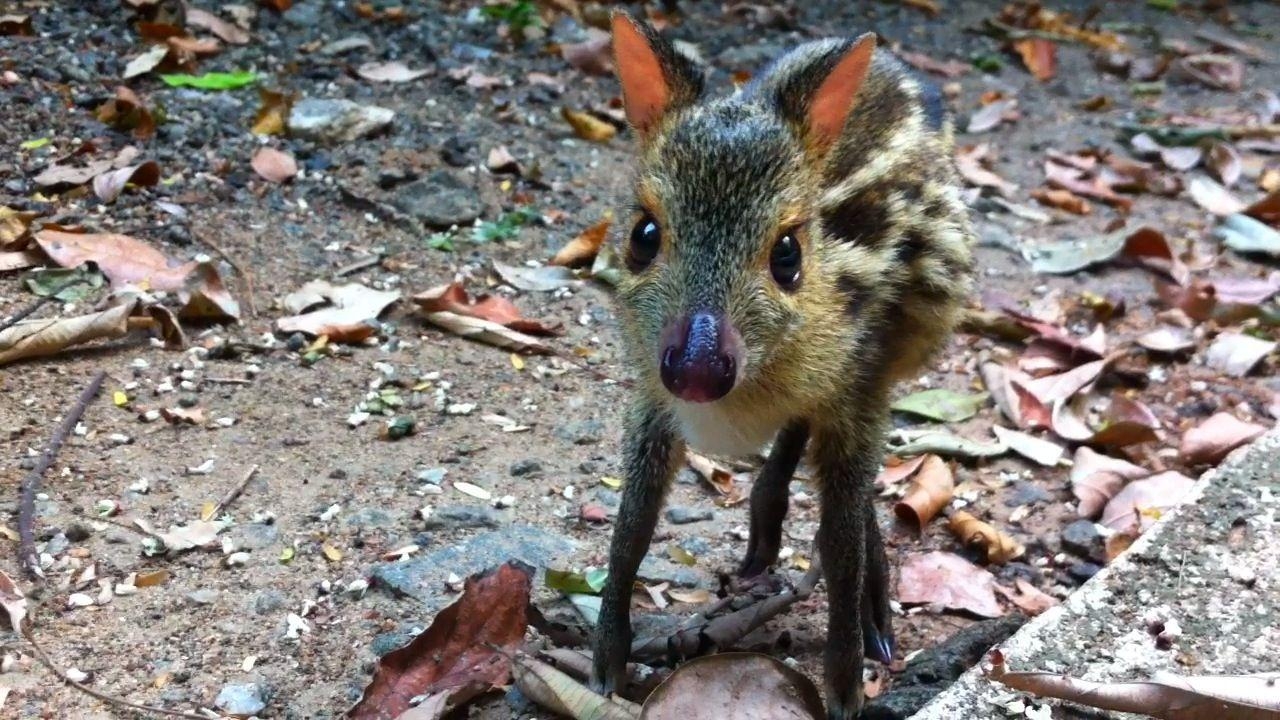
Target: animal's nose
{"type": "Point", "coordinates": [700, 358]}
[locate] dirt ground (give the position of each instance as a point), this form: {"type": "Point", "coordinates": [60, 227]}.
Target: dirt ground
{"type": "Point", "coordinates": [340, 497]}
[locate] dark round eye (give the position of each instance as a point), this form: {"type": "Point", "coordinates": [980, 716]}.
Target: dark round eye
{"type": "Point", "coordinates": [784, 261]}
{"type": "Point", "coordinates": [646, 239]}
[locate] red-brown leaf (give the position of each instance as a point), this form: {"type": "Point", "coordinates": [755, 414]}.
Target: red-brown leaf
{"type": "Point", "coordinates": [124, 260]}
{"type": "Point", "coordinates": [274, 165]}
{"type": "Point", "coordinates": [455, 657]}
{"type": "Point", "coordinates": [1039, 55]}
{"type": "Point", "coordinates": [1211, 441]}
{"type": "Point", "coordinates": [455, 299]}
{"type": "Point", "coordinates": [1142, 502]}
{"type": "Point", "coordinates": [948, 580]}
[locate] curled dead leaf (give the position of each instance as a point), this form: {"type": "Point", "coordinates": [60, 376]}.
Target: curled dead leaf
{"type": "Point", "coordinates": [109, 185]}
{"type": "Point", "coordinates": [897, 470]}
{"type": "Point", "coordinates": [350, 316]}
{"type": "Point", "coordinates": [931, 490]}
{"type": "Point", "coordinates": [996, 546]}
{"type": "Point", "coordinates": [490, 333]}
{"type": "Point", "coordinates": [1211, 441]}
{"type": "Point", "coordinates": [1142, 502]}
{"type": "Point", "coordinates": [756, 686]}
{"type": "Point", "coordinates": [454, 298]}
{"type": "Point", "coordinates": [228, 32]}
{"type": "Point", "coordinates": [1027, 597]}
{"type": "Point", "coordinates": [390, 72]}
{"type": "Point", "coordinates": [588, 126]}
{"type": "Point", "coordinates": [582, 249]}
{"type": "Point", "coordinates": [1062, 200]}
{"type": "Point", "coordinates": [1096, 478]}
{"type": "Point", "coordinates": [1039, 56]}
{"type": "Point", "coordinates": [48, 336]}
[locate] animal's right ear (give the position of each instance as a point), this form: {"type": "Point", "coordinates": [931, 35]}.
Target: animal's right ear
{"type": "Point", "coordinates": [656, 78]}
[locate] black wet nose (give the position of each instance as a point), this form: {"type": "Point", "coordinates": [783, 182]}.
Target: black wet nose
{"type": "Point", "coordinates": [699, 362]}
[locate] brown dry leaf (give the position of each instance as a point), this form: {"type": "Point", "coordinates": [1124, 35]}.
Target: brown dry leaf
{"type": "Point", "coordinates": [490, 333]}
{"type": "Point", "coordinates": [206, 299]}
{"type": "Point", "coordinates": [274, 165]}
{"type": "Point", "coordinates": [1211, 441]}
{"type": "Point", "coordinates": [1224, 162]}
{"type": "Point", "coordinates": [1083, 182]}
{"type": "Point", "coordinates": [1027, 597]}
{"type": "Point", "coordinates": [15, 227]}
{"type": "Point", "coordinates": [997, 547]}
{"type": "Point", "coordinates": [931, 491]}
{"type": "Point", "coordinates": [19, 260]}
{"type": "Point", "coordinates": [146, 62]}
{"type": "Point", "coordinates": [928, 7]}
{"type": "Point", "coordinates": [970, 163]}
{"type": "Point", "coordinates": [695, 596]}
{"type": "Point", "coordinates": [501, 160]}
{"type": "Point", "coordinates": [1035, 16]}
{"type": "Point", "coordinates": [948, 580]}
{"type": "Point", "coordinates": [593, 56]}
{"type": "Point", "coordinates": [229, 32]}
{"type": "Point", "coordinates": [1008, 388]}
{"type": "Point", "coordinates": [1097, 478]}
{"type": "Point", "coordinates": [1052, 388]}
{"type": "Point", "coordinates": [40, 338]}
{"type": "Point", "coordinates": [124, 260]}
{"type": "Point", "coordinates": [1062, 200]}
{"type": "Point", "coordinates": [277, 5]}
{"type": "Point", "coordinates": [1167, 339]}
{"type": "Point", "coordinates": [272, 115]}
{"type": "Point", "coordinates": [950, 69]}
{"type": "Point", "coordinates": [151, 579]}
{"type": "Point", "coordinates": [454, 298]}
{"type": "Point", "coordinates": [1142, 502]}
{"type": "Point", "coordinates": [127, 112]}
{"type": "Point", "coordinates": [716, 475]}
{"type": "Point", "coordinates": [1118, 423]}
{"type": "Point", "coordinates": [1213, 197]}
{"type": "Point", "coordinates": [755, 686]}
{"type": "Point", "coordinates": [1236, 354]}
{"type": "Point", "coordinates": [181, 415]}
{"type": "Point", "coordinates": [1167, 697]}
{"type": "Point", "coordinates": [349, 316]}
{"type": "Point", "coordinates": [1039, 55]}
{"type": "Point", "coordinates": [58, 175]}
{"type": "Point", "coordinates": [559, 692]}
{"type": "Point", "coordinates": [14, 24]}
{"type": "Point", "coordinates": [1221, 72]}
{"type": "Point", "coordinates": [582, 250]}
{"type": "Point", "coordinates": [195, 534]}
{"type": "Point", "coordinates": [109, 185]}
{"type": "Point", "coordinates": [186, 49]}
{"type": "Point", "coordinates": [991, 115]}
{"type": "Point", "coordinates": [1041, 452]}
{"type": "Point", "coordinates": [13, 601]}
{"type": "Point", "coordinates": [465, 651]}
{"type": "Point", "coordinates": [896, 470]}
{"type": "Point", "coordinates": [588, 126]}
{"type": "Point", "coordinates": [390, 72]}
{"type": "Point", "coordinates": [1266, 210]}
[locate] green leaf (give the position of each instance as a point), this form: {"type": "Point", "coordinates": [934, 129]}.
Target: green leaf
{"type": "Point", "coordinates": [988, 63]}
{"type": "Point", "coordinates": [212, 81]}
{"type": "Point", "coordinates": [1163, 4]}
{"type": "Point", "coordinates": [506, 227]}
{"type": "Point", "coordinates": [440, 241]}
{"type": "Point", "coordinates": [596, 578]}
{"type": "Point", "coordinates": [568, 582]}
{"type": "Point", "coordinates": [942, 405]}
{"type": "Point", "coordinates": [1246, 235]}
{"type": "Point", "coordinates": [910, 444]}
{"type": "Point", "coordinates": [65, 284]}
{"type": "Point", "coordinates": [35, 144]}
{"type": "Point", "coordinates": [680, 555]}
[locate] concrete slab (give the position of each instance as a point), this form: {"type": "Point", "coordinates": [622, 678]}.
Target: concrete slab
{"type": "Point", "coordinates": [1207, 573]}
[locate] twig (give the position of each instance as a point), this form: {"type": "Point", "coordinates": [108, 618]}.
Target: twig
{"type": "Point", "coordinates": [228, 381]}
{"type": "Point", "coordinates": [109, 699]}
{"type": "Point", "coordinates": [246, 277]}
{"type": "Point", "coordinates": [39, 303]}
{"type": "Point", "coordinates": [27, 504]}
{"type": "Point", "coordinates": [234, 492]}
{"type": "Point", "coordinates": [357, 266]}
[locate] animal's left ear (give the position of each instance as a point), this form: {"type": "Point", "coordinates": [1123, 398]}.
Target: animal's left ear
{"type": "Point", "coordinates": [830, 104]}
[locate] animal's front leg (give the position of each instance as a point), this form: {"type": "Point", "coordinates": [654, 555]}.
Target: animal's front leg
{"type": "Point", "coordinates": [650, 457]}
{"type": "Point", "coordinates": [769, 499]}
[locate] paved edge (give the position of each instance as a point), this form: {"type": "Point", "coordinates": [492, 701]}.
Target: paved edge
{"type": "Point", "coordinates": [1067, 638]}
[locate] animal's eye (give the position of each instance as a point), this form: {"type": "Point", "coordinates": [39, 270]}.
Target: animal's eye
{"type": "Point", "coordinates": [784, 261]}
{"type": "Point", "coordinates": [646, 239]}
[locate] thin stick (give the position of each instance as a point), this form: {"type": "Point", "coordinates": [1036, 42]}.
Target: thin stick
{"type": "Point", "coordinates": [234, 492]}
{"type": "Point", "coordinates": [228, 381]}
{"type": "Point", "coordinates": [357, 266]}
{"type": "Point", "coordinates": [246, 277]}
{"type": "Point", "coordinates": [109, 699]}
{"type": "Point", "coordinates": [27, 504]}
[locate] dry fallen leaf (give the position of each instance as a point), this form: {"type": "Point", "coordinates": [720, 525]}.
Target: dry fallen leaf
{"type": "Point", "coordinates": [1039, 451]}
{"type": "Point", "coordinates": [272, 114]}
{"type": "Point", "coordinates": [44, 337]}
{"type": "Point", "coordinates": [931, 491]}
{"type": "Point", "coordinates": [970, 163]}
{"type": "Point", "coordinates": [1221, 72]}
{"type": "Point", "coordinates": [1211, 441]}
{"type": "Point", "coordinates": [229, 32]}
{"type": "Point", "coordinates": [1167, 339]}
{"type": "Point", "coordinates": [390, 72]}
{"type": "Point", "coordinates": [500, 160]}
{"type": "Point", "coordinates": [126, 112]}
{"type": "Point", "coordinates": [490, 333]}
{"type": "Point", "coordinates": [1096, 478]}
{"type": "Point", "coordinates": [991, 115]}
{"type": "Point", "coordinates": [1027, 597]}
{"type": "Point", "coordinates": [716, 475]}
{"type": "Point", "coordinates": [1142, 502]}
{"type": "Point", "coordinates": [950, 69]}
{"type": "Point", "coordinates": [274, 165]}
{"type": "Point", "coordinates": [582, 249]}
{"type": "Point", "coordinates": [453, 298]}
{"type": "Point", "coordinates": [896, 470]}
{"type": "Point", "coordinates": [593, 56]}
{"type": "Point", "coordinates": [996, 546]}
{"type": "Point", "coordinates": [146, 62]}
{"type": "Point", "coordinates": [20, 260]}
{"type": "Point", "coordinates": [588, 126]}
{"type": "Point", "coordinates": [123, 259]}
{"type": "Point", "coordinates": [1166, 697]}
{"type": "Point", "coordinates": [465, 651]}
{"type": "Point", "coordinates": [195, 534]}
{"type": "Point", "coordinates": [1236, 354]}
{"type": "Point", "coordinates": [110, 184]}
{"type": "Point", "coordinates": [755, 686]}
{"type": "Point", "coordinates": [1224, 161]}
{"type": "Point", "coordinates": [559, 692]}
{"type": "Point", "coordinates": [1213, 197]}
{"type": "Point", "coordinates": [13, 601]}
{"type": "Point", "coordinates": [350, 315]}
{"type": "Point", "coordinates": [1062, 200]}
{"type": "Point", "coordinates": [1039, 55]}
{"type": "Point", "coordinates": [15, 227]}
{"type": "Point", "coordinates": [939, 578]}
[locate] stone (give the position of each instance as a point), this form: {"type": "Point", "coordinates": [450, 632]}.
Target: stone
{"type": "Point", "coordinates": [458, 151]}
{"type": "Point", "coordinates": [465, 516]}
{"type": "Point", "coordinates": [203, 596]}
{"type": "Point", "coordinates": [386, 642]}
{"type": "Point", "coordinates": [423, 577]}
{"type": "Point", "coordinates": [268, 601]}
{"type": "Point", "coordinates": [336, 120]}
{"type": "Point", "coordinates": [525, 467]}
{"type": "Point", "coordinates": [1082, 571]}
{"type": "Point", "coordinates": [254, 536]}
{"type": "Point", "coordinates": [656, 569]}
{"type": "Point", "coordinates": [77, 532]}
{"type": "Point", "coordinates": [681, 514]}
{"type": "Point", "coordinates": [434, 475]}
{"type": "Point", "coordinates": [1025, 493]}
{"type": "Point", "coordinates": [581, 432]}
{"type": "Point", "coordinates": [370, 517]}
{"type": "Point", "coordinates": [241, 700]}
{"type": "Point", "coordinates": [933, 669]}
{"type": "Point", "coordinates": [440, 200]}
{"type": "Point", "coordinates": [1083, 539]}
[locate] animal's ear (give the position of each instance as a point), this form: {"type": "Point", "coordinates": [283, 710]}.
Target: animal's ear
{"type": "Point", "coordinates": [831, 102]}
{"type": "Point", "coordinates": [656, 78]}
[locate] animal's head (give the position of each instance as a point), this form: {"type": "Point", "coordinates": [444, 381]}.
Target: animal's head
{"type": "Point", "coordinates": [723, 253]}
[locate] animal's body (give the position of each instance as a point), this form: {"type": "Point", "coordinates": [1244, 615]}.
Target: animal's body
{"type": "Point", "coordinates": [797, 247]}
